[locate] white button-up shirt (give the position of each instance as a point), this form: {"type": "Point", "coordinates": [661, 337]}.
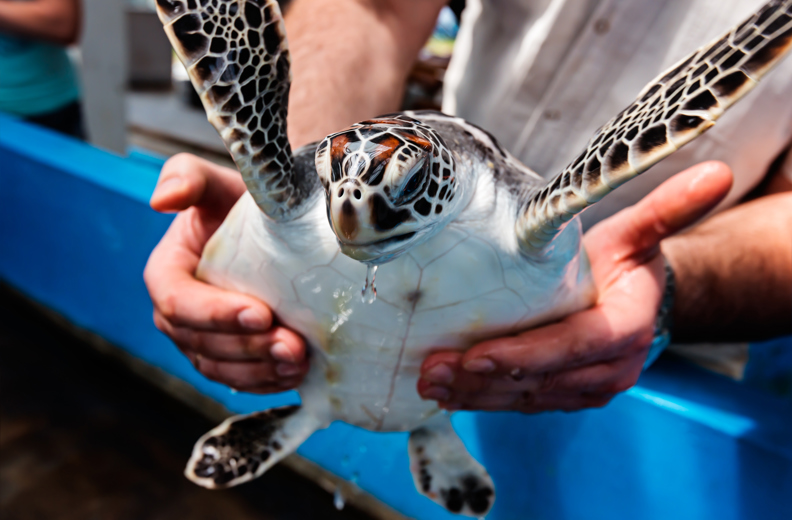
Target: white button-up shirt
{"type": "Point", "coordinates": [543, 75]}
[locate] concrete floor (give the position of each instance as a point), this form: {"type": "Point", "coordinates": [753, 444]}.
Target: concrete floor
{"type": "Point", "coordinates": [83, 438]}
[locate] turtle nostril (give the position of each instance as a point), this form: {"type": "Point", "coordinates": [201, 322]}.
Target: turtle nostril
{"type": "Point", "coordinates": [357, 194]}
{"type": "Point", "coordinates": [341, 192]}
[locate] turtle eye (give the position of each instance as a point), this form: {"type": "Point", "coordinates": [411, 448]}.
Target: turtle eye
{"type": "Point", "coordinates": [412, 184]}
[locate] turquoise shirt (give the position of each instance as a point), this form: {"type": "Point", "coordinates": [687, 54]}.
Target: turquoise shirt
{"type": "Point", "coordinates": [35, 77]}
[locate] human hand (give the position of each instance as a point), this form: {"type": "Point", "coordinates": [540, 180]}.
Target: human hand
{"type": "Point", "coordinates": [230, 337]}
{"type": "Point", "coordinates": [584, 360]}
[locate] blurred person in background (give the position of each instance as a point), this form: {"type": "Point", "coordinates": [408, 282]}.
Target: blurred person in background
{"type": "Point", "coordinates": [541, 75]}
{"type": "Point", "coordinates": [37, 80]}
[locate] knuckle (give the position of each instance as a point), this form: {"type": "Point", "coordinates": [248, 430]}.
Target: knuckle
{"type": "Point", "coordinates": [168, 304]}
{"type": "Point", "coordinates": [160, 323]}
{"type": "Point", "coordinates": [579, 350]}
{"type": "Point", "coordinates": [197, 342]}
{"type": "Point", "coordinates": [255, 344]}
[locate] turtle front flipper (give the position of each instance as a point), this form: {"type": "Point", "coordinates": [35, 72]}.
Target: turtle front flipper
{"type": "Point", "coordinates": [236, 55]}
{"type": "Point", "coordinates": [245, 446]}
{"type": "Point", "coordinates": [444, 471]}
{"type": "Point", "coordinates": [671, 111]}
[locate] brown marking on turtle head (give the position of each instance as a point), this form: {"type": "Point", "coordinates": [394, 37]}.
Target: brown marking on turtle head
{"type": "Point", "coordinates": [379, 159]}
{"type": "Point", "coordinates": [348, 221]}
{"type": "Point", "coordinates": [418, 141]}
{"type": "Point", "coordinates": [338, 147]}
{"type": "Point", "coordinates": [386, 146]}
{"type": "Point", "coordinates": [382, 121]}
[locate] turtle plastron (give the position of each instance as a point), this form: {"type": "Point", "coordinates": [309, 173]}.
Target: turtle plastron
{"type": "Point", "coordinates": [470, 243]}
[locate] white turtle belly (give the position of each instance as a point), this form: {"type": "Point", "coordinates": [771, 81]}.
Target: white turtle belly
{"type": "Point", "coordinates": [459, 287]}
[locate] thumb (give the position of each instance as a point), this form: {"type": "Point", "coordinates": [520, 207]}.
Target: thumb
{"type": "Point", "coordinates": [187, 180]}
{"type": "Point", "coordinates": [674, 205]}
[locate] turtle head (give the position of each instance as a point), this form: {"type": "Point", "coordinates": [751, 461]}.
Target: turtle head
{"type": "Point", "coordinates": [389, 183]}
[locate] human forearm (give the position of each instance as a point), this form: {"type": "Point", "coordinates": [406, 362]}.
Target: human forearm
{"type": "Point", "coordinates": [56, 21]}
{"type": "Point", "coordinates": [734, 274]}
{"type": "Point", "coordinates": [350, 59]}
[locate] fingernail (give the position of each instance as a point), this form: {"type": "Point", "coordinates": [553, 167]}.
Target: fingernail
{"type": "Point", "coordinates": [440, 374]}
{"type": "Point", "coordinates": [252, 319]}
{"type": "Point", "coordinates": [286, 369]}
{"type": "Point", "coordinates": [169, 185]}
{"type": "Point", "coordinates": [281, 352]}
{"type": "Point", "coordinates": [480, 365]}
{"type": "Point", "coordinates": [438, 393]}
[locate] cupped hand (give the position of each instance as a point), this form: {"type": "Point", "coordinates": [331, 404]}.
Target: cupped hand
{"type": "Point", "coordinates": [230, 337]}
{"type": "Point", "coordinates": [587, 358]}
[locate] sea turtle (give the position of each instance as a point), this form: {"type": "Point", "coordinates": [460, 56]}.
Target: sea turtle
{"type": "Point", "coordinates": [471, 243]}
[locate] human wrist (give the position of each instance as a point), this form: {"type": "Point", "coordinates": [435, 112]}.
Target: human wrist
{"type": "Point", "coordinates": [342, 72]}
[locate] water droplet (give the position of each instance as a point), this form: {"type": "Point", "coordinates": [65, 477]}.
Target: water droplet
{"type": "Point", "coordinates": [338, 499]}
{"type": "Point", "coordinates": [369, 292]}
{"type": "Point", "coordinates": [345, 460]}
{"type": "Point", "coordinates": [355, 477]}
{"type": "Point", "coordinates": [363, 448]}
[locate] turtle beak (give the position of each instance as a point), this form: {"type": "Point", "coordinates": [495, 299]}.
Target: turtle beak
{"type": "Point", "coordinates": [367, 228]}
{"type": "Point", "coordinates": [348, 221]}
{"type": "Point", "coordinates": [346, 205]}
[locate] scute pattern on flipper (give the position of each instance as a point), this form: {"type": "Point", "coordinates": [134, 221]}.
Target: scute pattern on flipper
{"type": "Point", "coordinates": [236, 55]}
{"type": "Point", "coordinates": [238, 450]}
{"type": "Point", "coordinates": [670, 112]}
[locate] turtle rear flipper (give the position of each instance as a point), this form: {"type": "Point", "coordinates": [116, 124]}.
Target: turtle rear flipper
{"type": "Point", "coordinates": [444, 471]}
{"type": "Point", "coordinates": [236, 55]}
{"type": "Point", "coordinates": [670, 112]}
{"type": "Point", "coordinates": [245, 446]}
